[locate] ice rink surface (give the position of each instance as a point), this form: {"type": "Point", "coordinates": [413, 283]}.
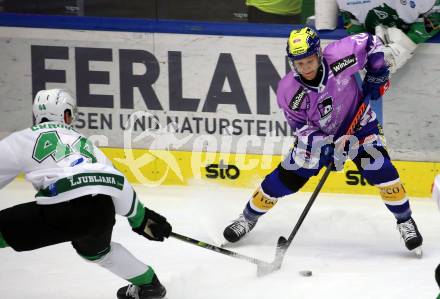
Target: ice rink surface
{"type": "Point", "coordinates": [349, 242]}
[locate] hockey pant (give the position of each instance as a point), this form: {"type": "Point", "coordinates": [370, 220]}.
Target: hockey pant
{"type": "Point", "coordinates": [87, 222]}
{"type": "Point", "coordinates": [371, 159]}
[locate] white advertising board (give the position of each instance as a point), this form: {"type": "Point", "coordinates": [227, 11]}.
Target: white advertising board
{"type": "Point", "coordinates": [192, 92]}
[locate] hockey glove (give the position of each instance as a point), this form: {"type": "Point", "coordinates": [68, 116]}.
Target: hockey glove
{"type": "Point", "coordinates": [376, 83]}
{"type": "Point", "coordinates": [327, 152]}
{"type": "Point", "coordinates": [154, 226]}
{"type": "Point", "coordinates": [329, 155]}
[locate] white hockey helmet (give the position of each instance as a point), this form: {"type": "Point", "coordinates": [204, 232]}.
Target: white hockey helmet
{"type": "Point", "coordinates": [51, 104]}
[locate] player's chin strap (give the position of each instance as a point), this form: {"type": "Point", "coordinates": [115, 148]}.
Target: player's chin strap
{"type": "Point", "coordinates": [283, 243]}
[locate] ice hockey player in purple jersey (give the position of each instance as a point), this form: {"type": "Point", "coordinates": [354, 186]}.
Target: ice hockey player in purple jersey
{"type": "Point", "coordinates": [78, 194]}
{"type": "Point", "coordinates": [319, 98]}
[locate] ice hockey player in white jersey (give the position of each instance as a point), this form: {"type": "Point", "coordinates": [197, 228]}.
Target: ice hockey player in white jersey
{"type": "Point", "coordinates": [401, 24]}
{"type": "Point", "coordinates": [436, 198]}
{"type": "Point", "coordinates": [78, 194]}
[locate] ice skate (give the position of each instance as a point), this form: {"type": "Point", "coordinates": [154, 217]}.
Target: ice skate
{"type": "Point", "coordinates": [411, 235]}
{"type": "Point", "coordinates": [238, 229]}
{"type": "Point", "coordinates": [146, 291]}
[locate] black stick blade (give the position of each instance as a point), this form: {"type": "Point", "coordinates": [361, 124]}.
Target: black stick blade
{"type": "Point", "coordinates": [282, 242]}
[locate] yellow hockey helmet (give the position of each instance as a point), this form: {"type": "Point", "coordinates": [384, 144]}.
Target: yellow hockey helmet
{"type": "Point", "coordinates": [302, 43]}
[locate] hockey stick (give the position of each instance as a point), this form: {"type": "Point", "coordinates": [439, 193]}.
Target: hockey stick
{"type": "Point", "coordinates": [264, 268]}
{"type": "Point", "coordinates": [283, 243]}
{"type": "Point", "coordinates": [261, 265]}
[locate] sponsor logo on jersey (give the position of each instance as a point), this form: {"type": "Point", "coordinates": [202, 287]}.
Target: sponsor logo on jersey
{"type": "Point", "coordinates": [403, 2]}
{"type": "Point", "coordinates": [297, 99]}
{"type": "Point", "coordinates": [343, 64]}
{"type": "Point", "coordinates": [380, 14]}
{"type": "Point", "coordinates": [356, 2]}
{"type": "Point", "coordinates": [325, 107]}
{"type": "Point", "coordinates": [412, 4]}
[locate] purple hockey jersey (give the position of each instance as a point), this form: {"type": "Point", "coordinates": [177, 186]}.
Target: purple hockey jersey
{"type": "Point", "coordinates": [328, 109]}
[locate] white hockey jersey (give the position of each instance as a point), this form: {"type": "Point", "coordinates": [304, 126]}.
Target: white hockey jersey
{"type": "Point", "coordinates": [359, 8]}
{"type": "Point", "coordinates": [408, 10]}
{"type": "Point", "coordinates": [62, 165]}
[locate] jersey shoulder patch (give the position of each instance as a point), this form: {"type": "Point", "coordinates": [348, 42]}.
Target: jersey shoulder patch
{"type": "Point", "coordinates": [342, 64]}
{"type": "Point", "coordinates": [297, 99]}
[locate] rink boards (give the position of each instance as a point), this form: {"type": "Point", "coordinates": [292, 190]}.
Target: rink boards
{"type": "Point", "coordinates": [190, 90]}
{"type": "Point", "coordinates": [205, 80]}
{"type": "Point", "coordinates": [159, 167]}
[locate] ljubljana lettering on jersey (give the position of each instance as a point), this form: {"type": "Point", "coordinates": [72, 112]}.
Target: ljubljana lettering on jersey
{"type": "Point", "coordinates": [62, 164]}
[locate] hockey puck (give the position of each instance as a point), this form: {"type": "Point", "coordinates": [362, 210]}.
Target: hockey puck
{"type": "Point", "coordinates": [306, 273]}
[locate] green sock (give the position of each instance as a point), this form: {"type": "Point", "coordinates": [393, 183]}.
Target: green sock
{"type": "Point", "coordinates": [3, 243]}
{"type": "Point", "coordinates": [144, 278]}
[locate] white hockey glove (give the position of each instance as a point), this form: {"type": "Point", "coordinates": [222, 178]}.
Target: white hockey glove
{"type": "Point", "coordinates": [398, 48]}
{"type": "Point", "coordinates": [380, 32]}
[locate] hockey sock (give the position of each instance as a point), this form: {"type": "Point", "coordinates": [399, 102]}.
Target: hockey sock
{"type": "Point", "coordinates": [280, 182]}
{"type": "Point", "coordinates": [394, 196]}
{"type": "Point", "coordinates": [258, 205]}
{"type": "Point", "coordinates": [144, 278]}
{"type": "Point", "coordinates": [3, 243]}
{"type": "Point", "coordinates": [122, 263]}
